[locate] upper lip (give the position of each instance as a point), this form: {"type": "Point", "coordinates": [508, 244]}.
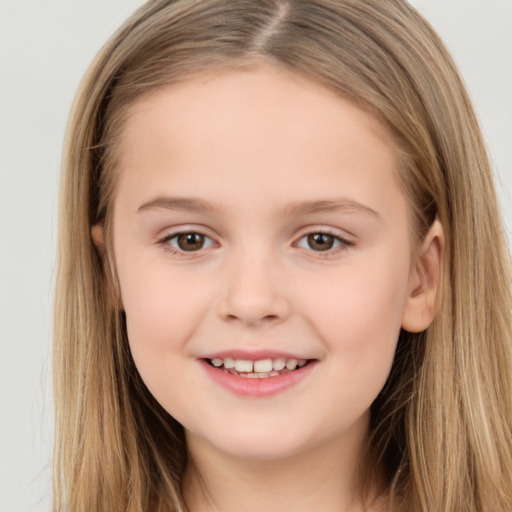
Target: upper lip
{"type": "Point", "coordinates": [252, 355]}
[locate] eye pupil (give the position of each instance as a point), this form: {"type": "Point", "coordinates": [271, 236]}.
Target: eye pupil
{"type": "Point", "coordinates": [320, 241]}
{"type": "Point", "coordinates": [190, 241]}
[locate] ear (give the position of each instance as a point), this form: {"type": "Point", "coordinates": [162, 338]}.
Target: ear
{"type": "Point", "coordinates": [98, 239]}
{"type": "Point", "coordinates": [425, 281]}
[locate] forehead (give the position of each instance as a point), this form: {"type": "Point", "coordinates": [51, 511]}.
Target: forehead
{"type": "Point", "coordinates": [262, 131]}
{"type": "Point", "coordinates": [288, 96]}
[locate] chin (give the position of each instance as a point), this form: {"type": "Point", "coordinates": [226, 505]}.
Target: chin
{"type": "Point", "coordinates": [263, 444]}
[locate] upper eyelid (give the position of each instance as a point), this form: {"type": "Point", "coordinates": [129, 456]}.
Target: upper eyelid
{"type": "Point", "coordinates": [327, 230]}
{"type": "Point", "coordinates": [170, 236]}
{"type": "Point", "coordinates": [329, 233]}
{"type": "Point", "coordinates": [171, 232]}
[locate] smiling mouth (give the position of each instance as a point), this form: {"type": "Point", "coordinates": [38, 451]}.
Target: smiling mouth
{"type": "Point", "coordinates": [260, 369]}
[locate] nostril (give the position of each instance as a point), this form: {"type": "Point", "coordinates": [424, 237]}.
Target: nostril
{"type": "Point", "coordinates": [252, 319]}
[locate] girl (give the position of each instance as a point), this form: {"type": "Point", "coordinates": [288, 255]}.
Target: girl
{"type": "Point", "coordinates": [283, 281]}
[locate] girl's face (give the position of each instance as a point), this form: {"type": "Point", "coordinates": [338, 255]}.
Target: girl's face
{"type": "Point", "coordinates": [258, 223]}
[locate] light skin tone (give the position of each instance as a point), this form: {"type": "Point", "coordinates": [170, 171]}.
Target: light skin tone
{"type": "Point", "coordinates": [303, 246]}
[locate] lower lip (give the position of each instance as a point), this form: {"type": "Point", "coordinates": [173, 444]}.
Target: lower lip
{"type": "Point", "coordinates": [257, 387]}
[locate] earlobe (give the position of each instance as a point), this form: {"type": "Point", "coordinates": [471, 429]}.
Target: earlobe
{"type": "Point", "coordinates": [425, 281]}
{"type": "Point", "coordinates": [98, 239]}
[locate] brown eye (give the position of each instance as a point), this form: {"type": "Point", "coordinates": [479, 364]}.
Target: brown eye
{"type": "Point", "coordinates": [190, 242]}
{"type": "Point", "coordinates": [320, 241]}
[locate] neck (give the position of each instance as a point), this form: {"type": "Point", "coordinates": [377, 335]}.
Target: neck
{"type": "Point", "coordinates": [324, 478]}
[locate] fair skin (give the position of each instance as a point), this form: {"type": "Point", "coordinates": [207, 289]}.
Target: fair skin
{"type": "Point", "coordinates": [298, 247]}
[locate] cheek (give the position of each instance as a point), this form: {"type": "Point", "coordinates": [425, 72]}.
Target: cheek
{"type": "Point", "coordinates": [358, 313]}
{"type": "Point", "coordinates": [359, 324]}
{"type": "Point", "coordinates": [162, 310]}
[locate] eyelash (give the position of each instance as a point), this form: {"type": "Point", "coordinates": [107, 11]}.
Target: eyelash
{"type": "Point", "coordinates": [165, 242]}
{"type": "Point", "coordinates": [340, 242]}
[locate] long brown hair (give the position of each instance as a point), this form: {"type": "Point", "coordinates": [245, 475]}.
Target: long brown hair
{"type": "Point", "coordinates": [441, 430]}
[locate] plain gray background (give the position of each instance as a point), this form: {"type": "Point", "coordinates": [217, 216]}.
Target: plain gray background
{"type": "Point", "coordinates": [45, 47]}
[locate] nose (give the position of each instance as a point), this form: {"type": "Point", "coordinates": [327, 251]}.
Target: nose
{"type": "Point", "coordinates": [254, 293]}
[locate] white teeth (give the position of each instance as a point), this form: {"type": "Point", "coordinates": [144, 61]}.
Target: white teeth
{"type": "Point", "coordinates": [261, 368]}
{"type": "Point", "coordinates": [291, 364]}
{"type": "Point", "coordinates": [279, 364]}
{"type": "Point", "coordinates": [242, 365]}
{"type": "Point", "coordinates": [229, 363]}
{"type": "Point", "coordinates": [264, 365]}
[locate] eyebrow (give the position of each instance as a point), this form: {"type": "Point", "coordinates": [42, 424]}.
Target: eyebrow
{"type": "Point", "coordinates": [184, 204]}
{"type": "Point", "coordinates": [325, 206]}
{"type": "Point", "coordinates": [295, 209]}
